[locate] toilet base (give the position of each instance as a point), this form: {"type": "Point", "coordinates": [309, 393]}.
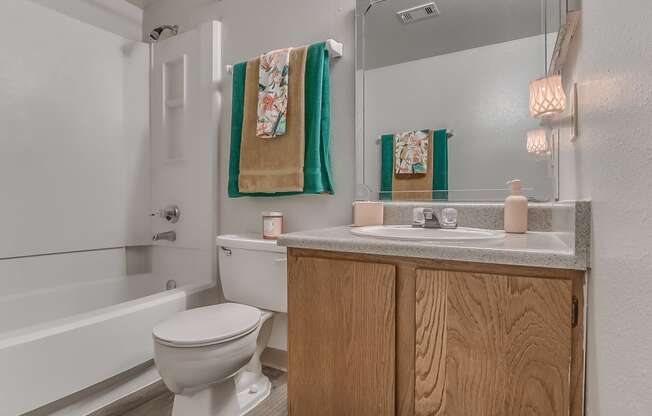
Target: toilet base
{"type": "Point", "coordinates": [224, 399]}
{"type": "Point", "coordinates": [219, 399]}
{"type": "Point", "coordinates": [252, 388]}
{"type": "Point", "coordinates": [234, 396]}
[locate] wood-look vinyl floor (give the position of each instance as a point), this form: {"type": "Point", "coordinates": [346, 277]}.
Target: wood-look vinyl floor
{"type": "Point", "coordinates": [274, 405]}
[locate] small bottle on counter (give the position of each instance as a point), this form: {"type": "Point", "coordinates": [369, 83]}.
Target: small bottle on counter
{"type": "Point", "coordinates": [516, 209]}
{"type": "Point", "coordinates": [272, 225]}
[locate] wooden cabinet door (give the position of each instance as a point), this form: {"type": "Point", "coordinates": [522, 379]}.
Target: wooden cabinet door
{"type": "Point", "coordinates": [341, 337]}
{"type": "Point", "coordinates": [491, 345]}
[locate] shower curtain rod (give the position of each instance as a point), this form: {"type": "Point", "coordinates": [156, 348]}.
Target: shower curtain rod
{"type": "Point", "coordinates": [335, 49]}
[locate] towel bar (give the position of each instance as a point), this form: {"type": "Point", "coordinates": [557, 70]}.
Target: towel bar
{"type": "Point", "coordinates": [449, 135]}
{"type": "Point", "coordinates": [335, 49]}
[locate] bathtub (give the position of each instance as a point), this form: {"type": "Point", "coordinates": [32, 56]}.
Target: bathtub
{"type": "Point", "coordinates": [60, 340]}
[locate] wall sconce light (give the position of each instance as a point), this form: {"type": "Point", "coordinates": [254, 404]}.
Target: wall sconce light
{"type": "Point", "coordinates": [547, 96]}
{"type": "Point", "coordinates": [537, 142]}
{"type": "Point", "coordinates": [567, 120]}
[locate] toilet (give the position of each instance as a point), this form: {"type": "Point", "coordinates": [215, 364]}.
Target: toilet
{"type": "Point", "coordinates": [209, 357]}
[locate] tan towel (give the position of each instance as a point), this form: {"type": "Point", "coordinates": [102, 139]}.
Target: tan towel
{"type": "Point", "coordinates": [266, 165]}
{"type": "Point", "coordinates": [420, 183]}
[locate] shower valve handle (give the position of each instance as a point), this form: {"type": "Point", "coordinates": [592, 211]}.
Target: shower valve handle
{"type": "Point", "coordinates": [170, 213]}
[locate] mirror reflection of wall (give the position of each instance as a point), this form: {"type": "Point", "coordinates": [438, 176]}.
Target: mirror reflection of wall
{"type": "Point", "coordinates": [464, 69]}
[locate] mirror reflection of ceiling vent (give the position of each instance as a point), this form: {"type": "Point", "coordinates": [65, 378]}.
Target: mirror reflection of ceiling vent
{"type": "Point", "coordinates": [414, 14]}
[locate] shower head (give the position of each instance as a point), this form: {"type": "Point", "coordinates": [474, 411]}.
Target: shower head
{"type": "Point", "coordinates": [372, 3]}
{"type": "Point", "coordinates": [155, 35]}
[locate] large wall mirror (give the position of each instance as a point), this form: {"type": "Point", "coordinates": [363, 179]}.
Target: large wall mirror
{"type": "Point", "coordinates": [442, 98]}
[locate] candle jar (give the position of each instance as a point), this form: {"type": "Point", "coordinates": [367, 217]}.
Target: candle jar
{"type": "Point", "coordinates": [272, 225]}
{"type": "Point", "coordinates": [367, 213]}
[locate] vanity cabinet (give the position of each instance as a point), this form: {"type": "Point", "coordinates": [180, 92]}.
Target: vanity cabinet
{"type": "Point", "coordinates": [381, 335]}
{"type": "Point", "coordinates": [491, 344]}
{"type": "Point", "coordinates": [341, 348]}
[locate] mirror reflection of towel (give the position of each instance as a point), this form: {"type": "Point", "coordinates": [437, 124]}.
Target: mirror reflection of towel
{"type": "Point", "coordinates": [431, 186]}
{"type": "Point", "coordinates": [411, 152]}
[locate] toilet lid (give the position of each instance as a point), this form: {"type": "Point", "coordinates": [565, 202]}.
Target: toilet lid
{"type": "Point", "coordinates": [208, 325]}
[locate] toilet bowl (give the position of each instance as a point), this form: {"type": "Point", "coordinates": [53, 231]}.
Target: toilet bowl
{"type": "Point", "coordinates": [209, 357]}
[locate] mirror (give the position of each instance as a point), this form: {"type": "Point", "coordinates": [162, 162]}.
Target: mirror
{"type": "Point", "coordinates": [442, 98]}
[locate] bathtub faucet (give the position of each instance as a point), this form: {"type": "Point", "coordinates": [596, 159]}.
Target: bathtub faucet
{"type": "Point", "coordinates": [167, 235]}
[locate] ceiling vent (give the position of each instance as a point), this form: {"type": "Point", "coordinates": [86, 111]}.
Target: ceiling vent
{"type": "Point", "coordinates": [414, 14]}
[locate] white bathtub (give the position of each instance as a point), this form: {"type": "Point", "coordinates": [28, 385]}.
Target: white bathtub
{"type": "Point", "coordinates": [57, 341]}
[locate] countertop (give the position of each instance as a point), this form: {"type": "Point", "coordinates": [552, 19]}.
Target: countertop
{"type": "Point", "coordinates": [536, 249]}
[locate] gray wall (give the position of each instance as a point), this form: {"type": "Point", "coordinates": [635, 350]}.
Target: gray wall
{"type": "Point", "coordinates": [251, 27]}
{"type": "Point", "coordinates": [461, 25]}
{"type": "Point", "coordinates": [611, 163]}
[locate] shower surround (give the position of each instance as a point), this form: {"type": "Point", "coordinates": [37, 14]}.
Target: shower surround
{"type": "Point", "coordinates": [101, 131]}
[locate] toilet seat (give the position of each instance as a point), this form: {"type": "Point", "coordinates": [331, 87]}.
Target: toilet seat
{"type": "Point", "coordinates": [208, 325]}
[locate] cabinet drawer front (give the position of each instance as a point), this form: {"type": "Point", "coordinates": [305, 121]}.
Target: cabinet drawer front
{"type": "Point", "coordinates": [491, 345]}
{"type": "Point", "coordinates": [341, 337]}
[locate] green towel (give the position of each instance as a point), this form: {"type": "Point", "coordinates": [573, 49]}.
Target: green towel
{"type": "Point", "coordinates": [440, 166]}
{"type": "Point", "coordinates": [317, 165]}
{"type": "Point", "coordinates": [237, 115]}
{"type": "Point", "coordinates": [386, 166]}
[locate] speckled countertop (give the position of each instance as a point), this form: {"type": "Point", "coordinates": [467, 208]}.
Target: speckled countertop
{"type": "Point", "coordinates": [540, 249]}
{"type": "Point", "coordinates": [551, 249]}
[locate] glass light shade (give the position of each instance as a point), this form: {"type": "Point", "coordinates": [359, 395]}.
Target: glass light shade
{"type": "Point", "coordinates": [547, 96]}
{"type": "Point", "coordinates": [537, 142]}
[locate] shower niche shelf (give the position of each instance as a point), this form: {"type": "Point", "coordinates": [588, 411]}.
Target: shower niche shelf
{"type": "Point", "coordinates": [174, 99]}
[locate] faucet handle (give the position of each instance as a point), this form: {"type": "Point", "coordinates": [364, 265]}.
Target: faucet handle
{"type": "Point", "coordinates": [170, 213]}
{"type": "Point", "coordinates": [448, 218]}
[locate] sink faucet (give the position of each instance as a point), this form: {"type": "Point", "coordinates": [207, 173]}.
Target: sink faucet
{"type": "Point", "coordinates": [428, 218]}
{"type": "Point", "coordinates": [167, 235]}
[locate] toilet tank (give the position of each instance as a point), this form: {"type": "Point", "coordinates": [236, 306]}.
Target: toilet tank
{"type": "Point", "coordinates": [253, 271]}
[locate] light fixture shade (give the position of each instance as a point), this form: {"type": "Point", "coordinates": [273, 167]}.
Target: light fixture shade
{"type": "Point", "coordinates": [537, 142]}
{"type": "Point", "coordinates": [547, 96]}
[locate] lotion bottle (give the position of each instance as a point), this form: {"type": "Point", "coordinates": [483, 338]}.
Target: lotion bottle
{"type": "Point", "coordinates": [516, 209]}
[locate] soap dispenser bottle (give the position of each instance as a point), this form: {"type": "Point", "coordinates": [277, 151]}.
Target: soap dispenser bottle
{"type": "Point", "coordinates": [516, 209]}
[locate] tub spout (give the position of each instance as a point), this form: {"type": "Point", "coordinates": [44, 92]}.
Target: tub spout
{"type": "Point", "coordinates": [167, 235]}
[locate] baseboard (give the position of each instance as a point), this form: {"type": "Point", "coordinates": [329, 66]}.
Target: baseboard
{"type": "Point", "coordinates": [132, 401]}
{"type": "Point", "coordinates": [275, 358]}
{"type": "Point", "coordinates": [111, 397]}
{"type": "Point", "coordinates": [93, 401]}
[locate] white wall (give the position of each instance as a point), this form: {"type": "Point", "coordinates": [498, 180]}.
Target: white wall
{"type": "Point", "coordinates": [481, 94]}
{"type": "Point", "coordinates": [116, 16]}
{"type": "Point", "coordinates": [75, 137]}
{"type": "Point", "coordinates": [611, 164]}
{"type": "Point", "coordinates": [251, 27]}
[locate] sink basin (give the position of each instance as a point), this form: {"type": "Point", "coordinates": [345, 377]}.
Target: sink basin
{"type": "Point", "coordinates": [409, 233]}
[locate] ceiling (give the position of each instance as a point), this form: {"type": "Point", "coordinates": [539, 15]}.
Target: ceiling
{"type": "Point", "coordinates": [462, 24]}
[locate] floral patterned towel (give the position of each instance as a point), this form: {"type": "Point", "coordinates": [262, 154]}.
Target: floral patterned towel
{"type": "Point", "coordinates": [273, 93]}
{"type": "Point", "coordinates": [411, 152]}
